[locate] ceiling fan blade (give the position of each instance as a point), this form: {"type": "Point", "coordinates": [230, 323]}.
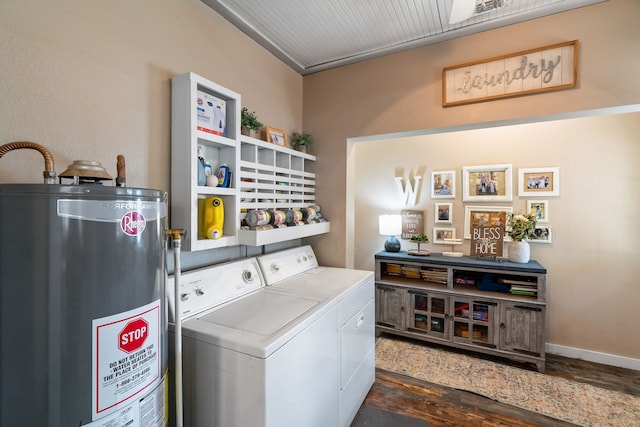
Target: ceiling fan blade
{"type": "Point", "coordinates": [461, 10]}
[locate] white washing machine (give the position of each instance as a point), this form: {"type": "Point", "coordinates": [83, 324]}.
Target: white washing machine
{"type": "Point", "coordinates": [296, 271]}
{"type": "Point", "coordinates": [255, 356]}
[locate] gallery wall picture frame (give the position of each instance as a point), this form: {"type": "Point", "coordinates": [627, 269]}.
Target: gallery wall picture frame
{"type": "Point", "coordinates": [489, 183]}
{"type": "Point", "coordinates": [443, 185]}
{"type": "Point", "coordinates": [540, 208]}
{"type": "Point", "coordinates": [443, 213]}
{"type": "Point", "coordinates": [539, 182]}
{"type": "Point", "coordinates": [276, 136]}
{"type": "Point", "coordinates": [443, 235]}
{"type": "Point", "coordinates": [488, 214]}
{"type": "Point", "coordinates": [541, 235]}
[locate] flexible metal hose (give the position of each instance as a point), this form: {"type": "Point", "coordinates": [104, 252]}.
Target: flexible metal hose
{"type": "Point", "coordinates": [49, 173]}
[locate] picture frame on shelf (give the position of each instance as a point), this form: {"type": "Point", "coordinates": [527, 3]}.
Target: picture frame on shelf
{"type": "Point", "coordinates": [443, 185]}
{"type": "Point", "coordinates": [490, 183]}
{"type": "Point", "coordinates": [541, 235]}
{"type": "Point", "coordinates": [276, 136]}
{"type": "Point", "coordinates": [443, 213]}
{"type": "Point", "coordinates": [491, 215]}
{"type": "Point", "coordinates": [539, 182]}
{"type": "Point", "coordinates": [443, 235]}
{"type": "Point", "coordinates": [540, 208]}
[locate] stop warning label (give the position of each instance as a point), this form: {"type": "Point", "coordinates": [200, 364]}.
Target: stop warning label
{"type": "Point", "coordinates": [133, 335]}
{"type": "Point", "coordinates": [126, 357]}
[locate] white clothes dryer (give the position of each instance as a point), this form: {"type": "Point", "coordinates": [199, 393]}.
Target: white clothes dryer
{"type": "Point", "coordinates": [296, 271]}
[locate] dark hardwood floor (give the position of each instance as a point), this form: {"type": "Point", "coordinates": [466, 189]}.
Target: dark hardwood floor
{"type": "Point", "coordinates": [435, 405]}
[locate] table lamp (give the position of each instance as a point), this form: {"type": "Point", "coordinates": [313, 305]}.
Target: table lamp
{"type": "Point", "coordinates": [390, 225]}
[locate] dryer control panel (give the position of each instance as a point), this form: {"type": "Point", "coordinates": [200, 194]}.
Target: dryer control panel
{"type": "Point", "coordinates": [285, 264]}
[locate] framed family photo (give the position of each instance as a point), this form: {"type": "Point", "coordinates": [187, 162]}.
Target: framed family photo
{"type": "Point", "coordinates": [276, 136]}
{"type": "Point", "coordinates": [443, 235]}
{"type": "Point", "coordinates": [540, 208]}
{"type": "Point", "coordinates": [541, 235]}
{"type": "Point", "coordinates": [538, 182]}
{"type": "Point", "coordinates": [487, 183]}
{"type": "Point", "coordinates": [443, 213]}
{"type": "Point", "coordinates": [443, 185]}
{"type": "Point", "coordinates": [484, 215]}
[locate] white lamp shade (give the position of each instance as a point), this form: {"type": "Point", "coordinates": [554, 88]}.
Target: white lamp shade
{"type": "Point", "coordinates": [390, 225]}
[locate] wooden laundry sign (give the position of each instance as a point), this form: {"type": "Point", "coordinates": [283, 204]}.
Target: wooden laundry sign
{"type": "Point", "coordinates": [532, 71]}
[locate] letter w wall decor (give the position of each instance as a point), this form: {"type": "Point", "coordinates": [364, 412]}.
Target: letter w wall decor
{"type": "Point", "coordinates": [409, 192]}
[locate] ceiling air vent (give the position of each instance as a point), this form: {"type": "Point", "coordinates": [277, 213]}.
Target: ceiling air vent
{"type": "Point", "coordinates": [461, 10]}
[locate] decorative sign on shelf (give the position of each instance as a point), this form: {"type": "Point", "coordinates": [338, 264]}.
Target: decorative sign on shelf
{"type": "Point", "coordinates": [487, 240]}
{"type": "Point", "coordinates": [412, 223]}
{"type": "Point", "coordinates": [487, 234]}
{"type": "Point", "coordinates": [532, 71]}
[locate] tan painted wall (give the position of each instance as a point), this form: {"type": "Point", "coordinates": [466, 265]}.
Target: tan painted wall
{"type": "Point", "coordinates": [592, 263]}
{"type": "Point", "coordinates": [592, 271]}
{"type": "Point", "coordinates": [90, 80]}
{"type": "Point", "coordinates": [402, 92]}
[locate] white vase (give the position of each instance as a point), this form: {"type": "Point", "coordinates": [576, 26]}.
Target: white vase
{"type": "Point", "coordinates": [519, 251]}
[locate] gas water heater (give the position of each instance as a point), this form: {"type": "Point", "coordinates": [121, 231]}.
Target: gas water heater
{"type": "Point", "coordinates": [83, 327]}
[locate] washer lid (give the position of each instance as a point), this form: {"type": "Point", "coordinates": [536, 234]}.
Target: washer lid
{"type": "Point", "coordinates": [261, 313]}
{"type": "Point", "coordinates": [258, 324]}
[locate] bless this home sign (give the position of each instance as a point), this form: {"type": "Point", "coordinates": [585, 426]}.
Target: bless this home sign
{"type": "Point", "coordinates": [537, 70]}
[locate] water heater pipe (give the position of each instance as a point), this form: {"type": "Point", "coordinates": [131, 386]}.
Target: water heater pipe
{"type": "Point", "coordinates": [121, 179]}
{"type": "Point", "coordinates": [49, 173]}
{"type": "Point", "coordinates": [176, 236]}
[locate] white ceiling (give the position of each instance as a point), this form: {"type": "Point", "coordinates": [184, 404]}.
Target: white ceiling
{"type": "Point", "coordinates": [316, 35]}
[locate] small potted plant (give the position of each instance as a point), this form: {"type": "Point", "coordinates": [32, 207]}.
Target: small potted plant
{"type": "Point", "coordinates": [520, 227]}
{"type": "Point", "coordinates": [419, 238]}
{"type": "Point", "coordinates": [301, 141]}
{"type": "Point", "coordinates": [249, 122]}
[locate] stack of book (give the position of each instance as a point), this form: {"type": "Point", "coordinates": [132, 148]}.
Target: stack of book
{"type": "Point", "coordinates": [521, 287]}
{"type": "Point", "coordinates": [434, 275]}
{"type": "Point", "coordinates": [462, 280]}
{"type": "Point", "coordinates": [394, 269]}
{"type": "Point", "coordinates": [411, 272]}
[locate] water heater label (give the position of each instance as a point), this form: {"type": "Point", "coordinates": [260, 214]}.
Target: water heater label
{"type": "Point", "coordinates": [131, 214]}
{"type": "Point", "coordinates": [126, 358]}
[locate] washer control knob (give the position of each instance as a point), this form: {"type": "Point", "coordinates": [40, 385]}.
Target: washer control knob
{"type": "Point", "coordinates": [275, 268]}
{"type": "Point", "coordinates": [247, 276]}
{"type": "Point", "coordinates": [199, 292]}
{"type": "Point", "coordinates": [184, 297]}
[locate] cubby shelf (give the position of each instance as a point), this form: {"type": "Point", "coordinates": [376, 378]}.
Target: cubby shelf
{"type": "Point", "coordinates": [263, 175]}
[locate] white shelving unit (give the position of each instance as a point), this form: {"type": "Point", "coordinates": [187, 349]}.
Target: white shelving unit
{"type": "Point", "coordinates": [263, 175]}
{"type": "Point", "coordinates": [187, 198]}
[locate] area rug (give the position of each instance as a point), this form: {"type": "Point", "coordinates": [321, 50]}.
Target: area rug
{"type": "Point", "coordinates": [571, 401]}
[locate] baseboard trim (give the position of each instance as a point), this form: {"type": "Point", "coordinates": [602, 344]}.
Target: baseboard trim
{"type": "Point", "coordinates": [593, 356]}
